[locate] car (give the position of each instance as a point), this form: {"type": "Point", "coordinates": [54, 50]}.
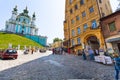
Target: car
{"type": "Point", "coordinates": [42, 50]}
{"type": "Point", "coordinates": [8, 53]}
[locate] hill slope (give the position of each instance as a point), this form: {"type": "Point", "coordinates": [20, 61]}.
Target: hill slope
{"type": "Point", "coordinates": [15, 40]}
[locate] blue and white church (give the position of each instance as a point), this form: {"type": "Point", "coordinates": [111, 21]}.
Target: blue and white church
{"type": "Point", "coordinates": [24, 24]}
{"type": "Point", "coordinates": [21, 23]}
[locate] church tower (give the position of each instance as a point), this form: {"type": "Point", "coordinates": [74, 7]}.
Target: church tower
{"type": "Point", "coordinates": [14, 13]}
{"type": "Point", "coordinates": [33, 19]}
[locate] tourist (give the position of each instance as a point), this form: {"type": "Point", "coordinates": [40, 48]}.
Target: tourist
{"type": "Point", "coordinates": [32, 50]}
{"type": "Point", "coordinates": [116, 60]}
{"type": "Point", "coordinates": [53, 51]}
{"type": "Point", "coordinates": [91, 53]}
{"type": "Point", "coordinates": [83, 55]}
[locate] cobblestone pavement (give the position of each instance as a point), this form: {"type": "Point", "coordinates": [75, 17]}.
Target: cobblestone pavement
{"type": "Point", "coordinates": [45, 66]}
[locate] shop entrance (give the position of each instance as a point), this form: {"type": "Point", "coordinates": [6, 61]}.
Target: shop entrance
{"type": "Point", "coordinates": [93, 42]}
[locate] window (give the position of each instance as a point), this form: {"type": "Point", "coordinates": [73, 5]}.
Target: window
{"type": "Point", "coordinates": [78, 41]}
{"type": "Point", "coordinates": [70, 1]}
{"type": "Point", "coordinates": [83, 14]}
{"type": "Point", "coordinates": [94, 24]}
{"type": "Point", "coordinates": [103, 14]}
{"type": "Point", "coordinates": [91, 9]}
{"type": "Point", "coordinates": [82, 2]}
{"type": "Point", "coordinates": [112, 26]}
{"type": "Point", "coordinates": [85, 27]}
{"type": "Point", "coordinates": [73, 43]}
{"type": "Point", "coordinates": [71, 11]}
{"type": "Point", "coordinates": [77, 18]}
{"type": "Point", "coordinates": [100, 1]}
{"type": "Point", "coordinates": [78, 30]}
{"type": "Point", "coordinates": [76, 7]}
{"type": "Point", "coordinates": [73, 33]}
{"type": "Point", "coordinates": [72, 21]}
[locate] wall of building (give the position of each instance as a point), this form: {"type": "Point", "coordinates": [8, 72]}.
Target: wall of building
{"type": "Point", "coordinates": [39, 39]}
{"type": "Point", "coordinates": [71, 23]}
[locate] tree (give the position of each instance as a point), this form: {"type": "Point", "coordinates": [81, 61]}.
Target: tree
{"type": "Point", "coordinates": [56, 40]}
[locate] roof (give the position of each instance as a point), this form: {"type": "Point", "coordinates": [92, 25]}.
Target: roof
{"type": "Point", "coordinates": [113, 14]}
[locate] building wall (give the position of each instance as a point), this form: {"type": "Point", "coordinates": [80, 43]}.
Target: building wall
{"type": "Point", "coordinates": [39, 39]}
{"type": "Point", "coordinates": [112, 37]}
{"type": "Point", "coordinates": [105, 25]}
{"type": "Point", "coordinates": [95, 15]}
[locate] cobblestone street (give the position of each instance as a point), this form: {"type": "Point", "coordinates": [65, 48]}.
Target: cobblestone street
{"type": "Point", "coordinates": [45, 66]}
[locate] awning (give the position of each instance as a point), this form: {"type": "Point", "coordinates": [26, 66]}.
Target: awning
{"type": "Point", "coordinates": [113, 39]}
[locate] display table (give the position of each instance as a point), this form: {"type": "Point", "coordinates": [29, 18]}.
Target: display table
{"type": "Point", "coordinates": [103, 59]}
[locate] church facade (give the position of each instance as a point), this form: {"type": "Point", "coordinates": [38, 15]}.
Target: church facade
{"type": "Point", "coordinates": [24, 24]}
{"type": "Point", "coordinates": [21, 23]}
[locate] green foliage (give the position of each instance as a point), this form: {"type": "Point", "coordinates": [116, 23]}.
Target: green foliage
{"type": "Point", "coordinates": [15, 40]}
{"type": "Point", "coordinates": [56, 40]}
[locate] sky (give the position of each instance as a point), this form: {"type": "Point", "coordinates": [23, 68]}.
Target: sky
{"type": "Point", "coordinates": [49, 15]}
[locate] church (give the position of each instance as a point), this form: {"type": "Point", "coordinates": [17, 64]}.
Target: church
{"type": "Point", "coordinates": [21, 23]}
{"type": "Point", "coordinates": [24, 24]}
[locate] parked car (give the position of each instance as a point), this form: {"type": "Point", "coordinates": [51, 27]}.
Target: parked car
{"type": "Point", "coordinates": [8, 53]}
{"type": "Point", "coordinates": [42, 50]}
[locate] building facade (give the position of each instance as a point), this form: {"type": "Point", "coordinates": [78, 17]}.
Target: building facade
{"type": "Point", "coordinates": [81, 25]}
{"type": "Point", "coordinates": [21, 23]}
{"type": "Point", "coordinates": [111, 31]}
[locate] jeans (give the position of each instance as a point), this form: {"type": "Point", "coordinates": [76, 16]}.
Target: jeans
{"type": "Point", "coordinates": [91, 56]}
{"type": "Point", "coordinates": [116, 74]}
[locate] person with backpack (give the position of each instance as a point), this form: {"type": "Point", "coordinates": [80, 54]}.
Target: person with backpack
{"type": "Point", "coordinates": [116, 60]}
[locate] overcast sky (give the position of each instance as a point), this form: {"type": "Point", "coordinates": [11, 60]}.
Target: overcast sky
{"type": "Point", "coordinates": [49, 14]}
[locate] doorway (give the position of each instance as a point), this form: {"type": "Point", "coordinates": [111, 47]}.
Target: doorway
{"type": "Point", "coordinates": [93, 42]}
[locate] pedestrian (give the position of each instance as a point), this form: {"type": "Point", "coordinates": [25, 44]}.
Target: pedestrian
{"type": "Point", "coordinates": [116, 60]}
{"type": "Point", "coordinates": [97, 51]}
{"type": "Point", "coordinates": [53, 51]}
{"type": "Point", "coordinates": [91, 53]}
{"type": "Point", "coordinates": [32, 50]}
{"type": "Point", "coordinates": [83, 55]}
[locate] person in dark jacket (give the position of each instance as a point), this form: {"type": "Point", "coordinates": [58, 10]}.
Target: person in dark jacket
{"type": "Point", "coordinates": [83, 55]}
{"type": "Point", "coordinates": [116, 60]}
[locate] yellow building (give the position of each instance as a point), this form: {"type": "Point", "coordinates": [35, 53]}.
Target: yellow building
{"type": "Point", "coordinates": [57, 44]}
{"type": "Point", "coordinates": [81, 25]}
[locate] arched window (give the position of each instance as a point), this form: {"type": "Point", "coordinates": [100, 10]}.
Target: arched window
{"type": "Point", "coordinates": [94, 24]}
